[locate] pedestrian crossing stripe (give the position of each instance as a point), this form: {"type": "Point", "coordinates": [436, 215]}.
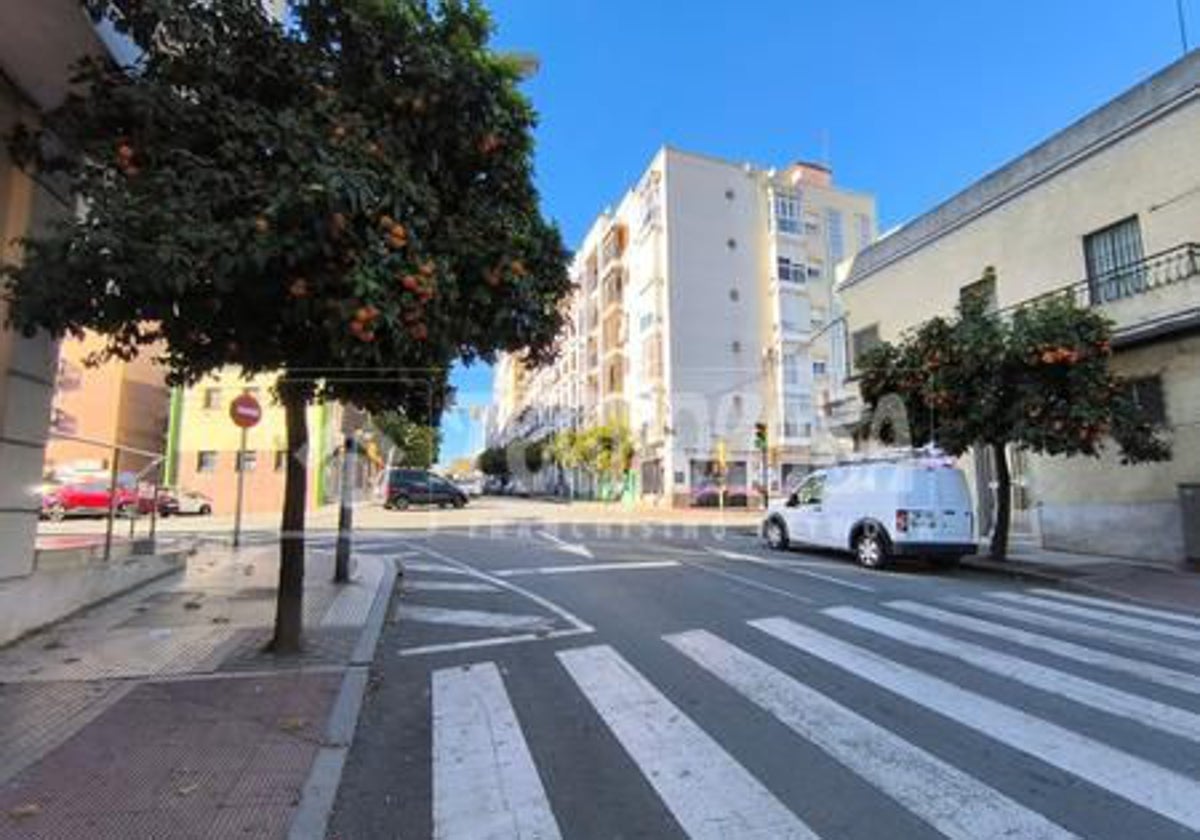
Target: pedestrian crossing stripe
{"type": "Point", "coordinates": [1148, 671]}
{"type": "Point", "coordinates": [1102, 616]}
{"type": "Point", "coordinates": [1141, 782]}
{"type": "Point", "coordinates": [486, 783]}
{"type": "Point", "coordinates": [1119, 606]}
{"type": "Point", "coordinates": [1144, 710]}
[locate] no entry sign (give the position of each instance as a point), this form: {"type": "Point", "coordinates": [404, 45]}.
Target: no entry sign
{"type": "Point", "coordinates": [245, 411]}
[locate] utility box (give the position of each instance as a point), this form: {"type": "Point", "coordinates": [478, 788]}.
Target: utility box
{"type": "Point", "coordinates": [1189, 509]}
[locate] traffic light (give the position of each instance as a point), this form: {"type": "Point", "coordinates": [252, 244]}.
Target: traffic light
{"type": "Point", "coordinates": [760, 436]}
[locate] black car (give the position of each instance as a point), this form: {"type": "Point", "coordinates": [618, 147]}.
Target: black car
{"type": "Point", "coordinates": [421, 487]}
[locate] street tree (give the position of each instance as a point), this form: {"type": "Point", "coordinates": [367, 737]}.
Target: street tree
{"type": "Point", "coordinates": [417, 443]}
{"type": "Point", "coordinates": [343, 200]}
{"type": "Point", "coordinates": [493, 462]}
{"type": "Point", "coordinates": [1038, 378]}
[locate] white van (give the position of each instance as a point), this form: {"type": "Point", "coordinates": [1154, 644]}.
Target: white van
{"type": "Point", "coordinates": [912, 506]}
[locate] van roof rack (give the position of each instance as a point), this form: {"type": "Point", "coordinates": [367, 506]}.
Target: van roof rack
{"type": "Point", "coordinates": [894, 454]}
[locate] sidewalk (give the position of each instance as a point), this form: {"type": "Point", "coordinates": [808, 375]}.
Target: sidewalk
{"type": "Point", "coordinates": [158, 715]}
{"type": "Point", "coordinates": [1154, 584]}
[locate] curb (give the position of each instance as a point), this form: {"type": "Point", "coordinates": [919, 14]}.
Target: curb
{"type": "Point", "coordinates": [311, 820]}
{"type": "Point", "coordinates": [1015, 571]}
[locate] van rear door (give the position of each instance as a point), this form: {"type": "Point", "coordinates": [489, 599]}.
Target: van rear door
{"type": "Point", "coordinates": [955, 522]}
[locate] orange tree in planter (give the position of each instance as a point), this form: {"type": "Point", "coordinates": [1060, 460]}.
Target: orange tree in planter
{"type": "Point", "coordinates": [346, 200]}
{"type": "Point", "coordinates": [1039, 379]}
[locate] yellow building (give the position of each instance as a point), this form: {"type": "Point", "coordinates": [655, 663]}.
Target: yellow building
{"type": "Point", "coordinates": [1108, 208]}
{"type": "Point", "coordinates": [203, 445]}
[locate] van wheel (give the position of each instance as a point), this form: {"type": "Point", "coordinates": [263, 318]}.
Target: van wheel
{"type": "Point", "coordinates": [400, 503]}
{"type": "Point", "coordinates": [871, 548]}
{"type": "Point", "coordinates": [776, 534]}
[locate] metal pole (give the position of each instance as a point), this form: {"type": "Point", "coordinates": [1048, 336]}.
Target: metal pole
{"type": "Point", "coordinates": [1183, 37]}
{"type": "Point", "coordinates": [341, 567]}
{"type": "Point", "coordinates": [240, 466]}
{"type": "Point", "coordinates": [765, 487]}
{"type": "Point", "coordinates": [154, 504]}
{"type": "Point", "coordinates": [112, 504]}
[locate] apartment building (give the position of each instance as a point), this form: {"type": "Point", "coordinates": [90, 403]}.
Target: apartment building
{"type": "Point", "coordinates": [1107, 209]}
{"type": "Point", "coordinates": [204, 446]}
{"type": "Point", "coordinates": [703, 304]}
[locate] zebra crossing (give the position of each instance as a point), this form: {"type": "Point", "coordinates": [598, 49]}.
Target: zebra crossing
{"type": "Point", "coordinates": [1064, 660]}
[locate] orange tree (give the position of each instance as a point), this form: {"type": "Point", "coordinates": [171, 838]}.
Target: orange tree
{"type": "Point", "coordinates": [1038, 378]}
{"type": "Point", "coordinates": [344, 200]}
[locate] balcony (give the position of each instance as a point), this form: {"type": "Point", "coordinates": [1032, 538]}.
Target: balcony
{"type": "Point", "coordinates": [1146, 299]}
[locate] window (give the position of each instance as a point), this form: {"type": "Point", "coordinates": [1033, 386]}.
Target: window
{"type": "Point", "coordinates": [729, 194]}
{"type": "Point", "coordinates": [794, 314]}
{"type": "Point", "coordinates": [246, 461]}
{"type": "Point", "coordinates": [212, 398]}
{"type": "Point", "coordinates": [652, 357]}
{"type": "Point", "coordinates": [648, 320]}
{"type": "Point", "coordinates": [1147, 394]}
{"type": "Point", "coordinates": [837, 240]}
{"type": "Point", "coordinates": [788, 271]}
{"type": "Point", "coordinates": [812, 490]}
{"type": "Point", "coordinates": [983, 289]}
{"type": "Point", "coordinates": [797, 418]}
{"type": "Point", "coordinates": [733, 295]}
{"type": "Point", "coordinates": [818, 317]}
{"type": "Point", "coordinates": [731, 244]}
{"type": "Point", "coordinates": [736, 347]}
{"type": "Point", "coordinates": [863, 223]}
{"type": "Point", "coordinates": [862, 341]}
{"type": "Point", "coordinates": [814, 272]}
{"type": "Point", "coordinates": [206, 462]}
{"type": "Point", "coordinates": [1114, 256]}
{"type": "Point", "coordinates": [280, 460]}
{"type": "Point", "coordinates": [791, 369]}
{"type": "Point", "coordinates": [819, 368]}
{"type": "Point", "coordinates": [787, 212]}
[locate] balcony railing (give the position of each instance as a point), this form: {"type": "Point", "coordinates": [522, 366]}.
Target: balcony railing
{"type": "Point", "coordinates": [1157, 271]}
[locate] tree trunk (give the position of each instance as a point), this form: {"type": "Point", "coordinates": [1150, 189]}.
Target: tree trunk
{"type": "Point", "coordinates": [289, 607]}
{"type": "Point", "coordinates": [999, 548]}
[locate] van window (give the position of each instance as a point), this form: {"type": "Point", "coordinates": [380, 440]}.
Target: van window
{"type": "Point", "coordinates": [811, 490]}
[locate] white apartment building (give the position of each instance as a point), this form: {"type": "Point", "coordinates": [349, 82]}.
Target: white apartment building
{"type": "Point", "coordinates": [703, 304]}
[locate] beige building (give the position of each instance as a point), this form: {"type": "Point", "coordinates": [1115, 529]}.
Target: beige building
{"type": "Point", "coordinates": [1109, 207]}
{"type": "Point", "coordinates": [703, 304]}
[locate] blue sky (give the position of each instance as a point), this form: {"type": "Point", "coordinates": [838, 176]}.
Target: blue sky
{"type": "Point", "coordinates": [910, 100]}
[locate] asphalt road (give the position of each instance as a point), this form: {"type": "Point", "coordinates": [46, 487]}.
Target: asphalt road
{"type": "Point", "coordinates": [663, 683]}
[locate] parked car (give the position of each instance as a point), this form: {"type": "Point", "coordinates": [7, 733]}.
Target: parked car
{"type": "Point", "coordinates": [709, 495]}
{"type": "Point", "coordinates": [471, 486]}
{"type": "Point", "coordinates": [406, 487]}
{"type": "Point", "coordinates": [911, 506]}
{"type": "Point", "coordinates": [93, 498]}
{"type": "Point", "coordinates": [172, 502]}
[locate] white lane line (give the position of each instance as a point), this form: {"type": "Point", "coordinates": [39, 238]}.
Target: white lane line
{"type": "Point", "coordinates": [956, 804]}
{"type": "Point", "coordinates": [471, 618]}
{"type": "Point", "coordinates": [1170, 615]}
{"type": "Point", "coordinates": [485, 784]}
{"type": "Point", "coordinates": [1076, 628]}
{"type": "Point", "coordinates": [1115, 619]}
{"type": "Point", "coordinates": [562, 545]}
{"type": "Point", "coordinates": [432, 568]}
{"type": "Point", "coordinates": [1139, 668]}
{"type": "Point", "coordinates": [591, 567]}
{"type": "Point", "coordinates": [710, 794]}
{"type": "Point", "coordinates": [788, 567]}
{"type": "Point", "coordinates": [750, 582]}
{"type": "Point", "coordinates": [566, 615]}
{"type": "Point", "coordinates": [1143, 783]}
{"type": "Point", "coordinates": [1143, 710]}
{"type": "Point", "coordinates": [449, 586]}
{"type": "Point", "coordinates": [491, 641]}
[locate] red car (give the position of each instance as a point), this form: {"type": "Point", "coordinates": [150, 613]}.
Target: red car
{"type": "Point", "coordinates": [92, 498]}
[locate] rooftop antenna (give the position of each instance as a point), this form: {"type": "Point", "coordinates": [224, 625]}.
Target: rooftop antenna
{"type": "Point", "coordinates": [1183, 38]}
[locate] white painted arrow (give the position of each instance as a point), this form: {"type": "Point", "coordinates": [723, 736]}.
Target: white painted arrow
{"type": "Point", "coordinates": [571, 548]}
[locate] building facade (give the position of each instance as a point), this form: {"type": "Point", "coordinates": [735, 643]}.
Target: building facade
{"type": "Point", "coordinates": [204, 446]}
{"type": "Point", "coordinates": [702, 305]}
{"type": "Point", "coordinates": [1108, 208]}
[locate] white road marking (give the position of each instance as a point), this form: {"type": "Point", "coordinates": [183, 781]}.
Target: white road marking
{"type": "Point", "coordinates": [1148, 785]}
{"type": "Point", "coordinates": [1148, 671]}
{"type": "Point", "coordinates": [789, 567]}
{"type": "Point", "coordinates": [449, 586]}
{"type": "Point", "coordinates": [471, 618]}
{"type": "Point", "coordinates": [566, 615]}
{"type": "Point", "coordinates": [751, 583]}
{"type": "Point", "coordinates": [491, 641]}
{"type": "Point", "coordinates": [1101, 615]}
{"type": "Point", "coordinates": [432, 568]}
{"type": "Point", "coordinates": [956, 804]}
{"type": "Point", "coordinates": [710, 794]}
{"type": "Point", "coordinates": [485, 784]}
{"type": "Point", "coordinates": [1077, 628]}
{"type": "Point", "coordinates": [591, 567]}
{"type": "Point", "coordinates": [1170, 615]}
{"type": "Point", "coordinates": [1143, 710]}
{"type": "Point", "coordinates": [571, 548]}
